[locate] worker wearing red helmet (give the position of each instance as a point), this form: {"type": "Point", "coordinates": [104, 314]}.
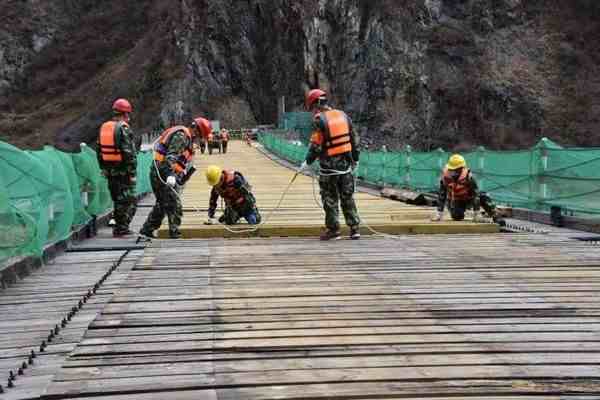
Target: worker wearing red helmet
{"type": "Point", "coordinates": [333, 143]}
{"type": "Point", "coordinates": [117, 156]}
{"type": "Point", "coordinates": [173, 166]}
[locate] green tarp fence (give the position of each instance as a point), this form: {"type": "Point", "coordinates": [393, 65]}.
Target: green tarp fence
{"type": "Point", "coordinates": [538, 178]}
{"type": "Point", "coordinates": [300, 122]}
{"type": "Point", "coordinates": [45, 193]}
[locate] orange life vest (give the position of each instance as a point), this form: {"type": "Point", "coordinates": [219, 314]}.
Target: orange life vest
{"type": "Point", "coordinates": [458, 189]}
{"type": "Point", "coordinates": [109, 151]}
{"type": "Point", "coordinates": [162, 145]}
{"type": "Point", "coordinates": [228, 191]}
{"type": "Point", "coordinates": [336, 138]}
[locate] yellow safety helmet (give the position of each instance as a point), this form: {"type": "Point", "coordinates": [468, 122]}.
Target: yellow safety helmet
{"type": "Point", "coordinates": [455, 162]}
{"type": "Point", "coordinates": [213, 174]}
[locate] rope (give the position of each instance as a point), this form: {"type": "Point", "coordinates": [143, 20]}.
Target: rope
{"type": "Point", "coordinates": [254, 228]}
{"type": "Point", "coordinates": [363, 221]}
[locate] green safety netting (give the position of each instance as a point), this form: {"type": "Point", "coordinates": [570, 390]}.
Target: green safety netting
{"type": "Point", "coordinates": [300, 122]}
{"type": "Point", "coordinates": [47, 192]}
{"type": "Point", "coordinates": [294, 152]}
{"type": "Point", "coordinates": [546, 175]}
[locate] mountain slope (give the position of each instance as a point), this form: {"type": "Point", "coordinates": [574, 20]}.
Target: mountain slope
{"type": "Point", "coordinates": [450, 73]}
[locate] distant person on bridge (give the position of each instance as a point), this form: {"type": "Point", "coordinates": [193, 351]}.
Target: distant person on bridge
{"type": "Point", "coordinates": [459, 189]}
{"type": "Point", "coordinates": [117, 156]}
{"type": "Point", "coordinates": [172, 167]}
{"type": "Point", "coordinates": [246, 137]}
{"type": "Point", "coordinates": [224, 139]}
{"type": "Point", "coordinates": [236, 192]}
{"type": "Point", "coordinates": [333, 142]}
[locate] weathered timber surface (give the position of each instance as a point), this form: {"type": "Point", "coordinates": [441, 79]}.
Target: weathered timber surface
{"type": "Point", "coordinates": [299, 213]}
{"type": "Point", "coordinates": [37, 304]}
{"type": "Point", "coordinates": [496, 317]}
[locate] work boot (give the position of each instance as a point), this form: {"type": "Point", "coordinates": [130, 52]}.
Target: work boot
{"type": "Point", "coordinates": [499, 220]}
{"type": "Point", "coordinates": [118, 233]}
{"type": "Point", "coordinates": [330, 235]}
{"type": "Point", "coordinates": [175, 234]}
{"type": "Point", "coordinates": [355, 233]}
{"type": "Point", "coordinates": [147, 234]}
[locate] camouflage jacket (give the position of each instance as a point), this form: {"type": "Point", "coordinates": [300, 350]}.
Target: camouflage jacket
{"type": "Point", "coordinates": [125, 141]}
{"type": "Point", "coordinates": [315, 151]}
{"type": "Point", "coordinates": [176, 146]}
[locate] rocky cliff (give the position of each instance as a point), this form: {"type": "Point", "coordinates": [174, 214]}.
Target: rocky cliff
{"type": "Point", "coordinates": [450, 73]}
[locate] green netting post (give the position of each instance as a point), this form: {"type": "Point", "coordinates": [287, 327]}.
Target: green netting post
{"type": "Point", "coordinates": [408, 155]}
{"type": "Point", "coordinates": [441, 158]}
{"type": "Point", "coordinates": [383, 169]}
{"type": "Point", "coordinates": [365, 155]}
{"type": "Point", "coordinates": [441, 162]}
{"type": "Point", "coordinates": [481, 167]}
{"type": "Point", "coordinates": [540, 174]}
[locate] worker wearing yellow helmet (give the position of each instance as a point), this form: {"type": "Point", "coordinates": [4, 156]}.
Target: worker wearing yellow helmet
{"type": "Point", "coordinates": [236, 192]}
{"type": "Point", "coordinates": [459, 189]}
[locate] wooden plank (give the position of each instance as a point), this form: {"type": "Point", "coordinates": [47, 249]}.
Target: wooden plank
{"type": "Point", "coordinates": [423, 317]}
{"type": "Point", "coordinates": [446, 350]}
{"type": "Point", "coordinates": [315, 375]}
{"type": "Point", "coordinates": [544, 324]}
{"type": "Point", "coordinates": [35, 305]}
{"type": "Point", "coordinates": [306, 363]}
{"type": "Point", "coordinates": [300, 214]}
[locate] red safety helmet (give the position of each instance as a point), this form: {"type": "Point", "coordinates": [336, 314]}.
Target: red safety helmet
{"type": "Point", "coordinates": [203, 125]}
{"type": "Point", "coordinates": [312, 96]}
{"type": "Point", "coordinates": [122, 106]}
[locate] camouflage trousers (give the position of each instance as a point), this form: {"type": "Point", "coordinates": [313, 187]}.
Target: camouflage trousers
{"type": "Point", "coordinates": [232, 215]}
{"type": "Point", "coordinates": [122, 192]}
{"type": "Point", "coordinates": [167, 204]}
{"type": "Point", "coordinates": [457, 208]}
{"type": "Point", "coordinates": [339, 190]}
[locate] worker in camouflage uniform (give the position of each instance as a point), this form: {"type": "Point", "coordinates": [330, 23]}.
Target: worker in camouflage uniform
{"type": "Point", "coordinates": [334, 143]}
{"type": "Point", "coordinates": [173, 166]}
{"type": "Point", "coordinates": [459, 189]}
{"type": "Point", "coordinates": [224, 140]}
{"type": "Point", "coordinates": [236, 192]}
{"type": "Point", "coordinates": [117, 156]}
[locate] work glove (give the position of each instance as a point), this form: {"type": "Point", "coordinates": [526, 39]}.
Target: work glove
{"type": "Point", "coordinates": [478, 218]}
{"type": "Point", "coordinates": [171, 181]}
{"type": "Point", "coordinates": [182, 179]}
{"type": "Point", "coordinates": [355, 166]}
{"type": "Point", "coordinates": [437, 216]}
{"type": "Point", "coordinates": [303, 166]}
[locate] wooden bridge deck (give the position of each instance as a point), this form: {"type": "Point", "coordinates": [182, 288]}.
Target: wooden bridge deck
{"type": "Point", "coordinates": [447, 317]}
{"type": "Point", "coordinates": [299, 214]}
{"type": "Point", "coordinates": [438, 316]}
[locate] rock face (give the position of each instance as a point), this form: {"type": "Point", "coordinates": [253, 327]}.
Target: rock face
{"type": "Point", "coordinates": [430, 73]}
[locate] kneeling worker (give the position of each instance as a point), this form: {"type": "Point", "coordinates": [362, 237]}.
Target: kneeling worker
{"type": "Point", "coordinates": [235, 190]}
{"type": "Point", "coordinates": [173, 166]}
{"type": "Point", "coordinates": [459, 189]}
